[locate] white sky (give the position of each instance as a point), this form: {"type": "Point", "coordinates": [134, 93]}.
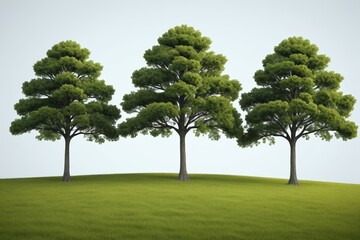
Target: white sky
{"type": "Point", "coordinates": [118, 32]}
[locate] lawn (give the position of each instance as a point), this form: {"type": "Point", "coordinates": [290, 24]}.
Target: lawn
{"type": "Point", "coordinates": [157, 206]}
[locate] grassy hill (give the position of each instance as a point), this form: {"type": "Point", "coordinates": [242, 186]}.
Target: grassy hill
{"type": "Point", "coordinates": [156, 206]}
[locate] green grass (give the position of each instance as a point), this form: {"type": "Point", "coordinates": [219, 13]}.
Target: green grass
{"type": "Point", "coordinates": [156, 206]}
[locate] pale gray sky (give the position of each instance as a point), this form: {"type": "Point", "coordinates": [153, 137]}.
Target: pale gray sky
{"type": "Point", "coordinates": [118, 32]}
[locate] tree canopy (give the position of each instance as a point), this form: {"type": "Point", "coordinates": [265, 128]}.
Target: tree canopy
{"type": "Point", "coordinates": [181, 89]}
{"type": "Point", "coordinates": [296, 97]}
{"type": "Point", "coordinates": [67, 99]}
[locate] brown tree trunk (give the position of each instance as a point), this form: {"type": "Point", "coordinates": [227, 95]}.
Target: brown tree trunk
{"type": "Point", "coordinates": [293, 178]}
{"type": "Point", "coordinates": [183, 175]}
{"type": "Point", "coordinates": [66, 176]}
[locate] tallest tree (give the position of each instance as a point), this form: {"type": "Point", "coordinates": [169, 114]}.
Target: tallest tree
{"type": "Point", "coordinates": [66, 99]}
{"type": "Point", "coordinates": [182, 89]}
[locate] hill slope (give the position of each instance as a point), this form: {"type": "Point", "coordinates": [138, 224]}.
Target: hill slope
{"type": "Point", "coordinates": [156, 206]}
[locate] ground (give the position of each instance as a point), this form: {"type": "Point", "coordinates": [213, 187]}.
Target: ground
{"type": "Point", "coordinates": [157, 206]}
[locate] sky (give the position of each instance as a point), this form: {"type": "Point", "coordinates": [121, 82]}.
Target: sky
{"type": "Point", "coordinates": [119, 32]}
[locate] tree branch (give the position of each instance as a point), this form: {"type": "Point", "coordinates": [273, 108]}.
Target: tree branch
{"type": "Point", "coordinates": [79, 132]}
{"type": "Point", "coordinates": [194, 118]}
{"type": "Point", "coordinates": [163, 124]}
{"type": "Point", "coordinates": [59, 131]}
{"type": "Point", "coordinates": [283, 129]}
{"type": "Point", "coordinates": [303, 133]}
{"type": "Point", "coordinates": [273, 135]}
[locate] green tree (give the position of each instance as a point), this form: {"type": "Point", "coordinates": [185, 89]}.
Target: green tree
{"type": "Point", "coordinates": [296, 97]}
{"type": "Point", "coordinates": [67, 99]}
{"type": "Point", "coordinates": [182, 89]}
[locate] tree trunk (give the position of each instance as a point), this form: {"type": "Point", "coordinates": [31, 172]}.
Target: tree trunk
{"type": "Point", "coordinates": [66, 176]}
{"type": "Point", "coordinates": [183, 175]}
{"type": "Point", "coordinates": [293, 178]}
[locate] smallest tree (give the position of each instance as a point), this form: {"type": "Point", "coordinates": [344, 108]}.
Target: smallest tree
{"type": "Point", "coordinates": [296, 97]}
{"type": "Point", "coordinates": [67, 99]}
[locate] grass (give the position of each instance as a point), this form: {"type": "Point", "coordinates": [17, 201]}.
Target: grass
{"type": "Point", "coordinates": [156, 206]}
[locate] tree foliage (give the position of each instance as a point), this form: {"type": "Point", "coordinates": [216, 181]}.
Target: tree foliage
{"type": "Point", "coordinates": [66, 99]}
{"type": "Point", "coordinates": [181, 89]}
{"type": "Point", "coordinates": [296, 97]}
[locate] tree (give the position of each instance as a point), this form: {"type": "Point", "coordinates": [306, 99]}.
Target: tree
{"type": "Point", "coordinates": [182, 89]}
{"type": "Point", "coordinates": [67, 99]}
{"type": "Point", "coordinates": [296, 97]}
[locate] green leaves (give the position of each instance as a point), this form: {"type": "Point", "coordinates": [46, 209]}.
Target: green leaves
{"type": "Point", "coordinates": [45, 119]}
{"type": "Point", "coordinates": [68, 93]}
{"type": "Point", "coordinates": [256, 96]}
{"type": "Point", "coordinates": [68, 49]}
{"type": "Point", "coordinates": [193, 79]}
{"type": "Point", "coordinates": [296, 45]}
{"type": "Point", "coordinates": [135, 101]}
{"type": "Point", "coordinates": [182, 89]}
{"type": "Point", "coordinates": [180, 65]}
{"type": "Point", "coordinates": [268, 112]}
{"type": "Point", "coordinates": [25, 106]}
{"type": "Point", "coordinates": [212, 64]}
{"type": "Point", "coordinates": [328, 80]}
{"type": "Point", "coordinates": [155, 118]}
{"type": "Point", "coordinates": [296, 97]}
{"type": "Point", "coordinates": [185, 36]}
{"type": "Point", "coordinates": [67, 56]}
{"type": "Point", "coordinates": [97, 89]}
{"type": "Point", "coordinates": [39, 87]}
{"type": "Point", "coordinates": [160, 55]}
{"type": "Point", "coordinates": [74, 109]}
{"type": "Point", "coordinates": [153, 78]}
{"type": "Point", "coordinates": [220, 85]}
{"type": "Point", "coordinates": [67, 99]}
